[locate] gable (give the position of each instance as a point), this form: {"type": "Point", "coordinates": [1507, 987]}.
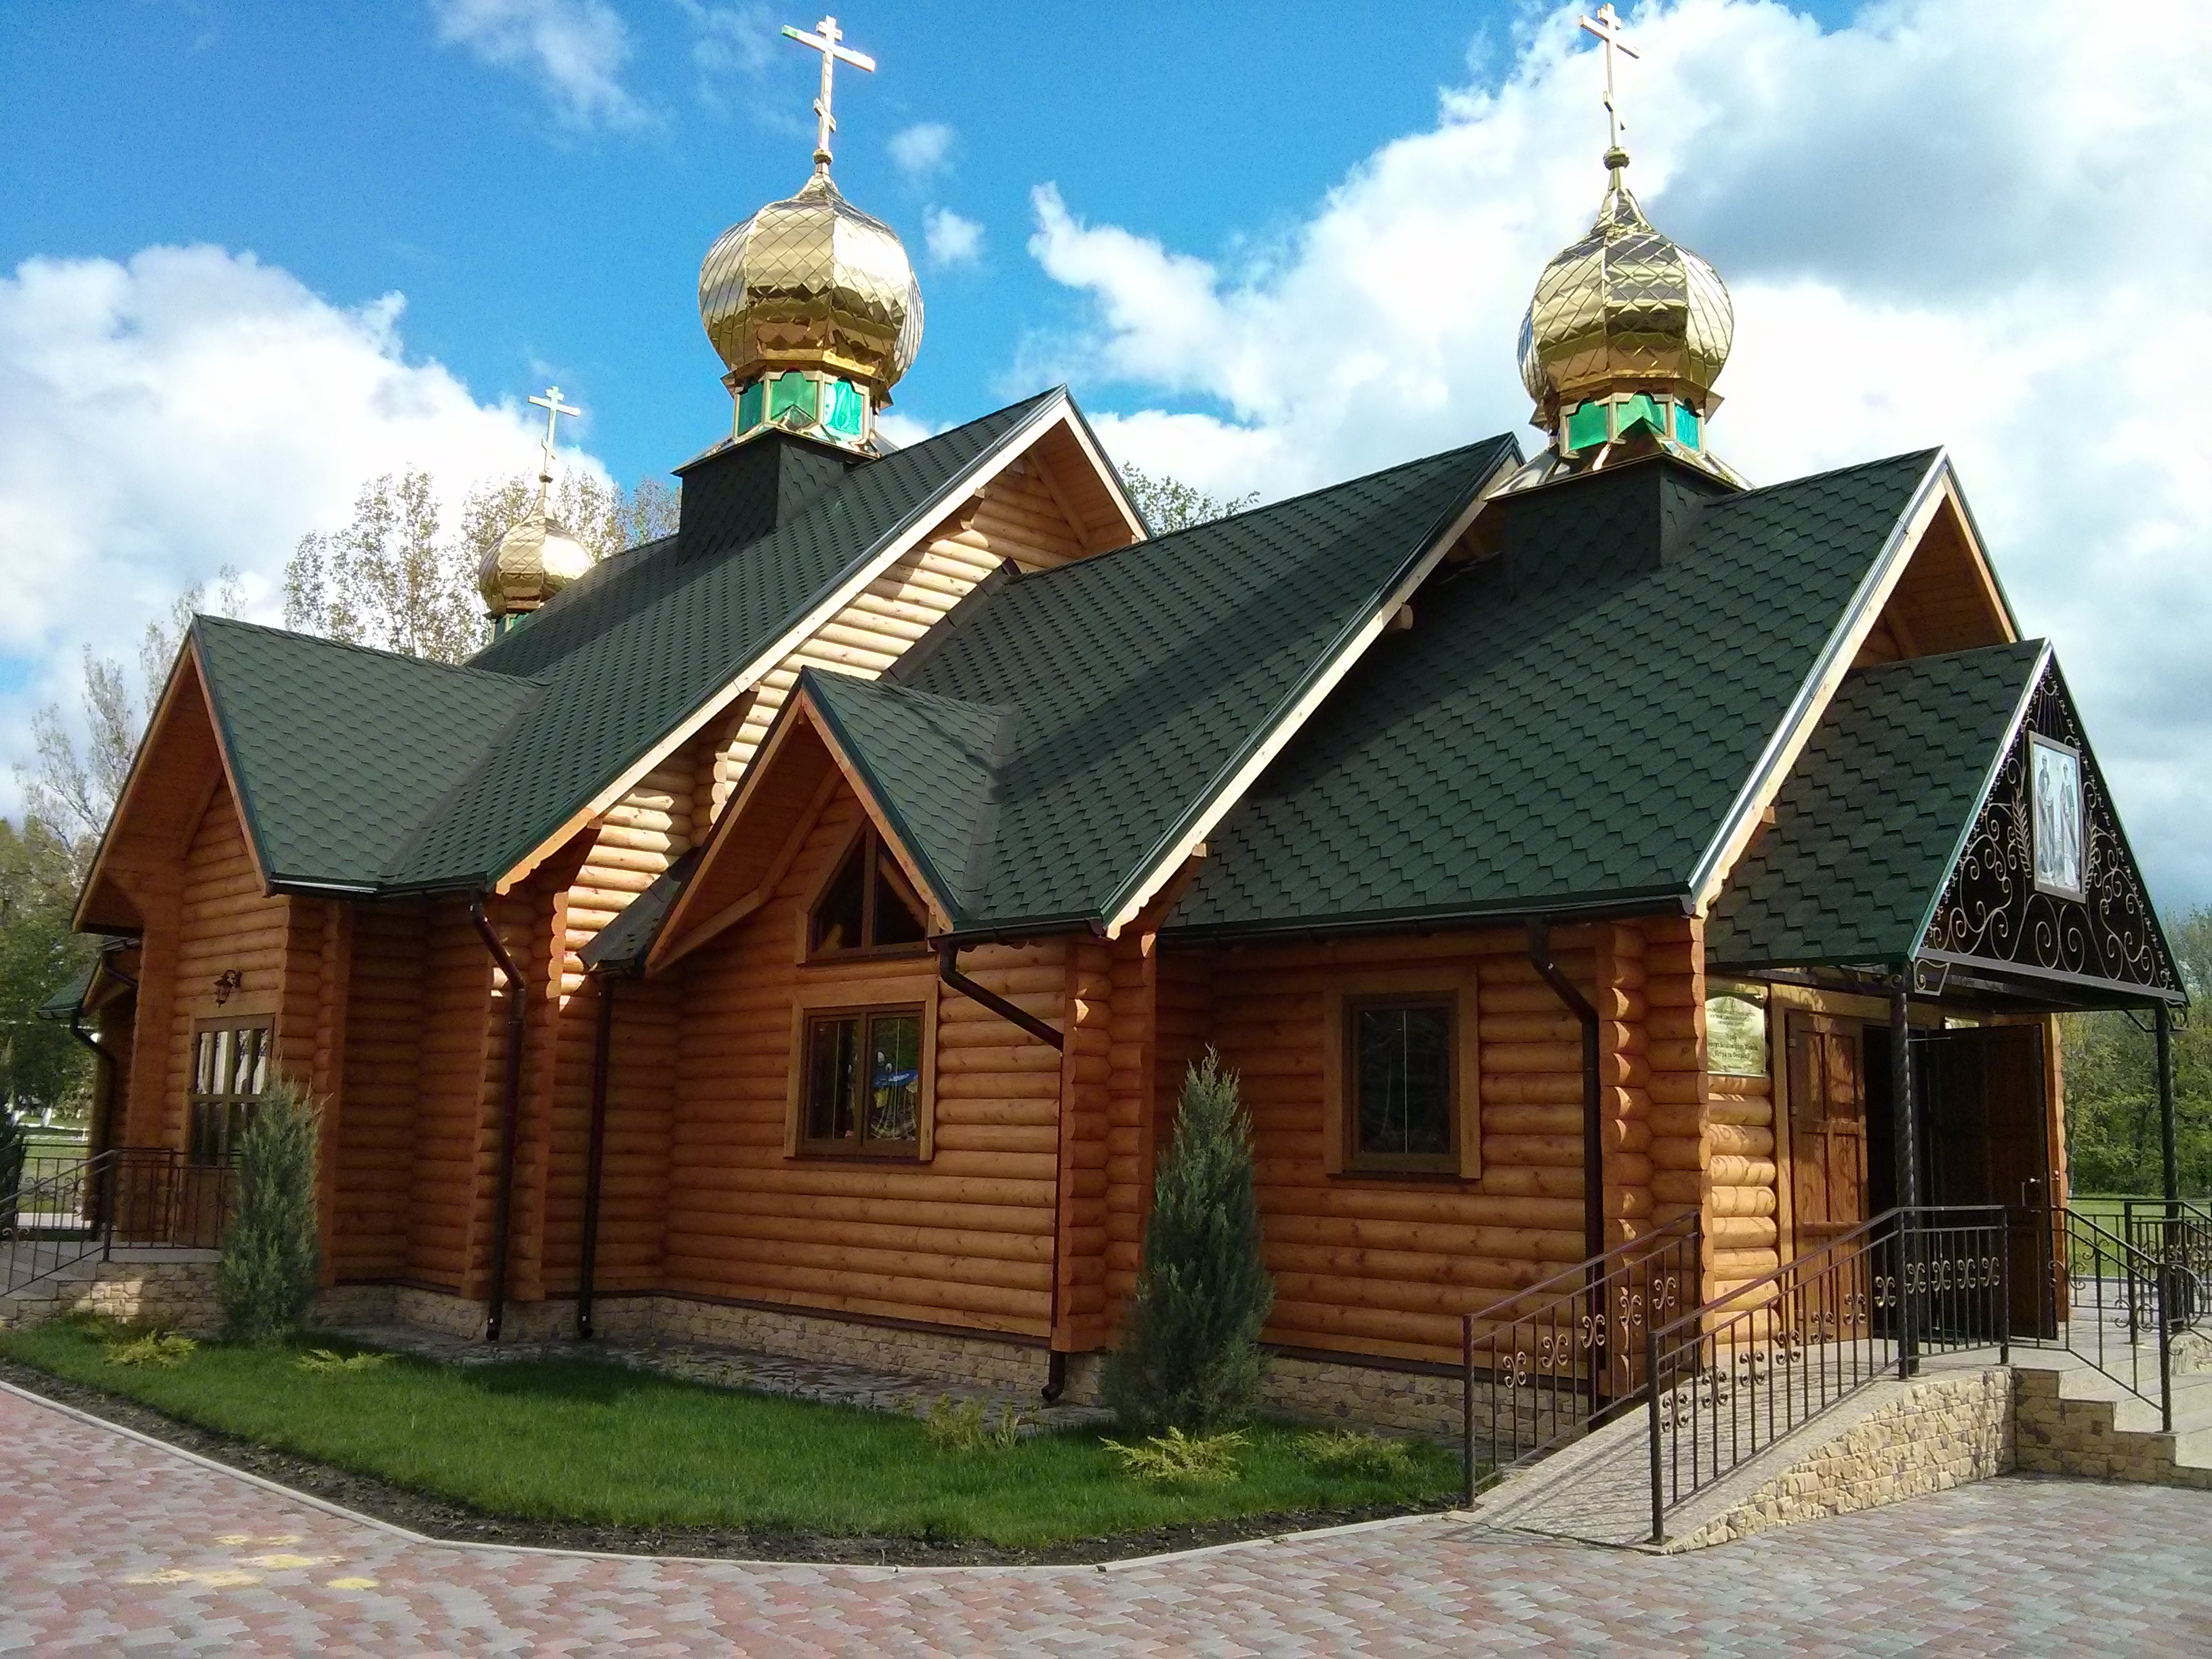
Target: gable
{"type": "Point", "coordinates": [1945, 598]}
{"type": "Point", "coordinates": [1995, 909]}
{"type": "Point", "coordinates": [176, 772]}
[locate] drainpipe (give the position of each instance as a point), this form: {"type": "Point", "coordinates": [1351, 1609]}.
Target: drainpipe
{"type": "Point", "coordinates": [602, 1043]}
{"type": "Point", "coordinates": [948, 957]}
{"type": "Point", "coordinates": [510, 1113]}
{"type": "Point", "coordinates": [1540, 957]}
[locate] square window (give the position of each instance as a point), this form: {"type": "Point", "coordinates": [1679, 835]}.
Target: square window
{"type": "Point", "coordinates": [862, 1088]}
{"type": "Point", "coordinates": [1400, 1065]}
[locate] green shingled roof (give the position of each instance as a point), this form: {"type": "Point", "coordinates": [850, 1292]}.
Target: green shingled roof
{"type": "Point", "coordinates": [1567, 723]}
{"type": "Point", "coordinates": [1050, 742]}
{"type": "Point", "coordinates": [342, 753]}
{"type": "Point", "coordinates": [360, 767]}
{"type": "Point", "coordinates": [1871, 816]}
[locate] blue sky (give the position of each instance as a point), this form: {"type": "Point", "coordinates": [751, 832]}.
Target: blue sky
{"type": "Point", "coordinates": [349, 146]}
{"type": "Point", "coordinates": [252, 254]}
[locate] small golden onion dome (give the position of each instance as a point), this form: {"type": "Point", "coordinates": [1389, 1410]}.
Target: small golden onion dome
{"type": "Point", "coordinates": [1624, 309]}
{"type": "Point", "coordinates": [535, 560]}
{"type": "Point", "coordinates": [812, 282]}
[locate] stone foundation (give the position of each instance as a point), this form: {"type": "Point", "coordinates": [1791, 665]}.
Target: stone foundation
{"type": "Point", "coordinates": [1364, 1396]}
{"type": "Point", "coordinates": [1930, 1435]}
{"type": "Point", "coordinates": [167, 1295]}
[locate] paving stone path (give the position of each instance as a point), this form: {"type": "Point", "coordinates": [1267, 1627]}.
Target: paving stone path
{"type": "Point", "coordinates": [111, 1544]}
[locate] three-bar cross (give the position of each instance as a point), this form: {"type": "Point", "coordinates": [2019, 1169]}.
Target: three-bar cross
{"type": "Point", "coordinates": [825, 42]}
{"type": "Point", "coordinates": [1607, 30]}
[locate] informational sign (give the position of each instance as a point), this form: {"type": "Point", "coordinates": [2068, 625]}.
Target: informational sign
{"type": "Point", "coordinates": [1735, 1030]}
{"type": "Point", "coordinates": [2057, 779]}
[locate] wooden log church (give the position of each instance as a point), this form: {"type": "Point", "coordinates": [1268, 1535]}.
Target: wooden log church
{"type": "Point", "coordinates": [795, 931]}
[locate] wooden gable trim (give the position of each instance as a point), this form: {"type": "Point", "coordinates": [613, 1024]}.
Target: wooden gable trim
{"type": "Point", "coordinates": [1937, 496]}
{"type": "Point", "coordinates": [111, 865]}
{"type": "Point", "coordinates": [674, 944]}
{"type": "Point", "coordinates": [1056, 414]}
{"type": "Point", "coordinates": [1244, 769]}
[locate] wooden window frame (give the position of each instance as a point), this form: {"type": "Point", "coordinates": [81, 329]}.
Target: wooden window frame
{"type": "Point", "coordinates": [844, 998]}
{"type": "Point", "coordinates": [865, 833]}
{"type": "Point", "coordinates": [1452, 985]}
{"type": "Point", "coordinates": [196, 1099]}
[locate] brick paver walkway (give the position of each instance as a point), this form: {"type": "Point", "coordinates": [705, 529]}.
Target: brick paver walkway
{"type": "Point", "coordinates": [109, 1544]}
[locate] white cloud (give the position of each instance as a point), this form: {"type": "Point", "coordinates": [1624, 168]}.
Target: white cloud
{"type": "Point", "coordinates": [738, 38]}
{"type": "Point", "coordinates": [952, 241]}
{"type": "Point", "coordinates": [923, 151]}
{"type": "Point", "coordinates": [194, 409]}
{"type": "Point", "coordinates": [576, 48]}
{"type": "Point", "coordinates": [1933, 232]}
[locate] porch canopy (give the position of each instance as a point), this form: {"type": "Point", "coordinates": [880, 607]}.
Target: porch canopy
{"type": "Point", "coordinates": [1947, 835]}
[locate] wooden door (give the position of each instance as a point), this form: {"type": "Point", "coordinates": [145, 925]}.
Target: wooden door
{"type": "Point", "coordinates": [1828, 1128]}
{"type": "Point", "coordinates": [1983, 1102]}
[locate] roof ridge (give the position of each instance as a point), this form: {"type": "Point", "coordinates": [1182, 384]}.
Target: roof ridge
{"type": "Point", "coordinates": [1441, 455]}
{"type": "Point", "coordinates": [203, 619]}
{"type": "Point", "coordinates": [1924, 456]}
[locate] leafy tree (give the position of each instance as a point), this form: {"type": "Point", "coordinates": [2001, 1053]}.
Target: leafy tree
{"type": "Point", "coordinates": [2111, 1085]}
{"type": "Point", "coordinates": [1169, 504]}
{"type": "Point", "coordinates": [73, 789]}
{"type": "Point", "coordinates": [1190, 1358]}
{"type": "Point", "coordinates": [392, 578]}
{"type": "Point", "coordinates": [41, 1063]}
{"type": "Point", "coordinates": [272, 1254]}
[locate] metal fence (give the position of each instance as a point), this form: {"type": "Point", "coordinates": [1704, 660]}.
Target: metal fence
{"type": "Point", "coordinates": [63, 1211]}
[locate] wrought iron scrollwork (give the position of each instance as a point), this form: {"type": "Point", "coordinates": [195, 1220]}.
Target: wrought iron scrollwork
{"type": "Point", "coordinates": [1991, 907]}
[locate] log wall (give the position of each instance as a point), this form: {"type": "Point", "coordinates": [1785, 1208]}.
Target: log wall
{"type": "Point", "coordinates": [966, 1238]}
{"type": "Point", "coordinates": [386, 1036]}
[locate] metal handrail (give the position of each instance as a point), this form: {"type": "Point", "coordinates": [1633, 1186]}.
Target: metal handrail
{"type": "Point", "coordinates": [1555, 1358]}
{"type": "Point", "coordinates": [1726, 1380]}
{"type": "Point", "coordinates": [2125, 1288]}
{"type": "Point", "coordinates": [128, 1195]}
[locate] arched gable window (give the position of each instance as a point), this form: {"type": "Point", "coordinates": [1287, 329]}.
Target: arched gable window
{"type": "Point", "coordinates": [868, 905]}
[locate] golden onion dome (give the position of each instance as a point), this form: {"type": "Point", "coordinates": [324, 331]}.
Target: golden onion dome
{"type": "Point", "coordinates": [1624, 311]}
{"type": "Point", "coordinates": [812, 283]}
{"type": "Point", "coordinates": [533, 560]}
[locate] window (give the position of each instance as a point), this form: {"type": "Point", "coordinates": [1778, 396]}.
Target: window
{"type": "Point", "coordinates": [862, 1092]}
{"type": "Point", "coordinates": [1401, 1115]}
{"type": "Point", "coordinates": [869, 905]}
{"type": "Point", "coordinates": [230, 1070]}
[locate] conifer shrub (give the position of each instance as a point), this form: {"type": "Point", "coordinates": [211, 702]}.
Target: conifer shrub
{"type": "Point", "coordinates": [1190, 1358]}
{"type": "Point", "coordinates": [272, 1254]}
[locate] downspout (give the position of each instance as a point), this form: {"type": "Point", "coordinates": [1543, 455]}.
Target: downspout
{"type": "Point", "coordinates": [103, 1084]}
{"type": "Point", "coordinates": [948, 969]}
{"type": "Point", "coordinates": [601, 1043]}
{"type": "Point", "coordinates": [510, 1113]}
{"type": "Point", "coordinates": [1540, 957]}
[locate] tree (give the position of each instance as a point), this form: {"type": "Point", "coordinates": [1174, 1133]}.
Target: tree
{"type": "Point", "coordinates": [1190, 1358]}
{"type": "Point", "coordinates": [272, 1254]}
{"type": "Point", "coordinates": [73, 790]}
{"type": "Point", "coordinates": [1169, 504]}
{"type": "Point", "coordinates": [2113, 1136]}
{"type": "Point", "coordinates": [40, 1063]}
{"type": "Point", "coordinates": [391, 578]}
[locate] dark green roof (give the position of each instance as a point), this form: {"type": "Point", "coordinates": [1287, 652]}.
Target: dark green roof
{"type": "Point", "coordinates": [1048, 745]}
{"type": "Point", "coordinates": [69, 998]}
{"type": "Point", "coordinates": [342, 753]}
{"type": "Point", "coordinates": [362, 768]}
{"type": "Point", "coordinates": [1871, 819]}
{"type": "Point", "coordinates": [1567, 723]}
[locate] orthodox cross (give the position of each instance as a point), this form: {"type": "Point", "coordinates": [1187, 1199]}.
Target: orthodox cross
{"type": "Point", "coordinates": [825, 42]}
{"type": "Point", "coordinates": [555, 408]}
{"type": "Point", "coordinates": [1608, 30]}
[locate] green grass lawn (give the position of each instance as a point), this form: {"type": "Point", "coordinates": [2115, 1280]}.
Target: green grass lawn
{"type": "Point", "coordinates": [586, 1442]}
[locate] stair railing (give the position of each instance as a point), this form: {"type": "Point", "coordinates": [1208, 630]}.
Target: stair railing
{"type": "Point", "coordinates": [131, 1196]}
{"type": "Point", "coordinates": [1555, 1359]}
{"type": "Point", "coordinates": [1724, 1381]}
{"type": "Point", "coordinates": [2109, 1299]}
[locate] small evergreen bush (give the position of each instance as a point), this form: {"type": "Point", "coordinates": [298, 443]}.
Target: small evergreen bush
{"type": "Point", "coordinates": [1190, 1358]}
{"type": "Point", "coordinates": [272, 1254]}
{"type": "Point", "coordinates": [1357, 1453]}
{"type": "Point", "coordinates": [1172, 1458]}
